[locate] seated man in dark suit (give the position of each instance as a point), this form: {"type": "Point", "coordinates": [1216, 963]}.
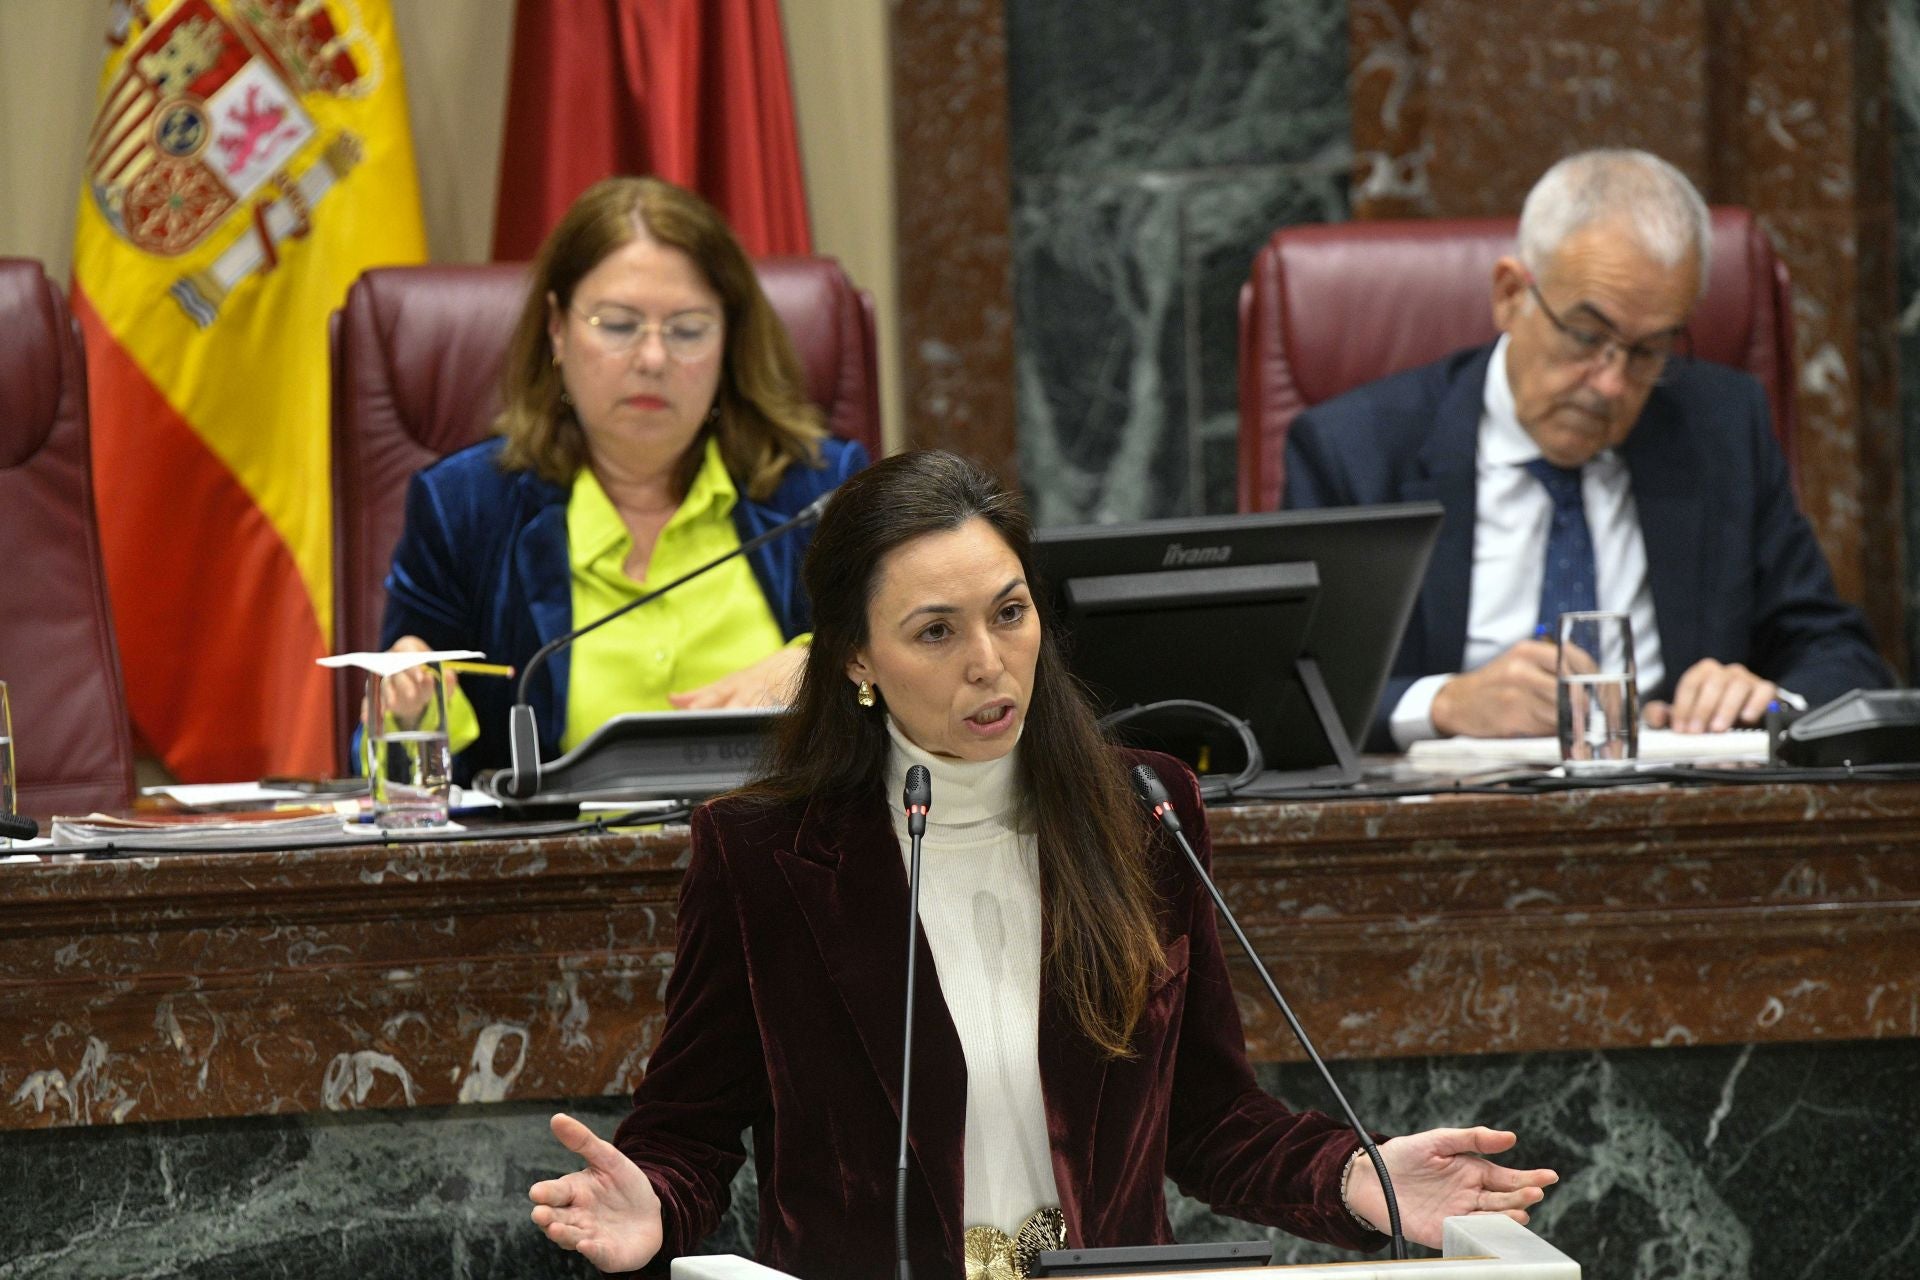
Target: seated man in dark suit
{"type": "Point", "coordinates": [1583, 441]}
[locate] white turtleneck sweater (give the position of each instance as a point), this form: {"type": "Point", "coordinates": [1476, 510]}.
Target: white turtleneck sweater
{"type": "Point", "coordinates": [980, 913]}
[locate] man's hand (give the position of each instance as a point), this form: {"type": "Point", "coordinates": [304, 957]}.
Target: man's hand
{"type": "Point", "coordinates": [1511, 697]}
{"type": "Point", "coordinates": [770, 682]}
{"type": "Point", "coordinates": [1713, 697]}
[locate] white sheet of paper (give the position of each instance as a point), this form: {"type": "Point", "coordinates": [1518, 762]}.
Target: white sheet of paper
{"type": "Point", "coordinates": [195, 794]}
{"type": "Point", "coordinates": [1657, 746]}
{"type": "Point", "coordinates": [388, 663]}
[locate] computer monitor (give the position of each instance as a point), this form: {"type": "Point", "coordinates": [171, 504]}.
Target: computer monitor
{"type": "Point", "coordinates": [1288, 620]}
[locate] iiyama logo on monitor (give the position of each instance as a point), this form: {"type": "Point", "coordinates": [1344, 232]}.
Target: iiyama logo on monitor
{"type": "Point", "coordinates": [1177, 554]}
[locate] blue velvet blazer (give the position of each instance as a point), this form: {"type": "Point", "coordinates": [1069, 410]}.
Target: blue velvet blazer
{"type": "Point", "coordinates": [784, 1013]}
{"type": "Point", "coordinates": [482, 564]}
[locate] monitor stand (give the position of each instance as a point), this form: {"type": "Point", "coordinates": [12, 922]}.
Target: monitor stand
{"type": "Point", "coordinates": [1342, 771]}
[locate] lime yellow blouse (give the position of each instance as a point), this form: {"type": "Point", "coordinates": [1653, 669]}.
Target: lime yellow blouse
{"type": "Point", "coordinates": [709, 628]}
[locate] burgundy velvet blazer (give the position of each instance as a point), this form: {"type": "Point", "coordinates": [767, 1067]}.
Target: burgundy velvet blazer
{"type": "Point", "coordinates": [784, 1014]}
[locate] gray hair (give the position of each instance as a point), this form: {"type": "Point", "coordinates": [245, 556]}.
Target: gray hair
{"type": "Point", "coordinates": [1651, 198]}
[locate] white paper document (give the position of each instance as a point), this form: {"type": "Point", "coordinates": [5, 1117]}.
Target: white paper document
{"type": "Point", "coordinates": [1657, 746]}
{"type": "Point", "coordinates": [388, 663]}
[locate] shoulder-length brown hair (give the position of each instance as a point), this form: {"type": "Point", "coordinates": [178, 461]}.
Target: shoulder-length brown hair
{"type": "Point", "coordinates": [1096, 886]}
{"type": "Point", "coordinates": [765, 422]}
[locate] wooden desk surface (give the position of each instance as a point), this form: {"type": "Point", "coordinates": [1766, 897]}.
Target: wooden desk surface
{"type": "Point", "coordinates": [247, 984]}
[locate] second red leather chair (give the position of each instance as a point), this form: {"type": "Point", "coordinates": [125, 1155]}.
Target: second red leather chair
{"type": "Point", "coordinates": [1328, 308]}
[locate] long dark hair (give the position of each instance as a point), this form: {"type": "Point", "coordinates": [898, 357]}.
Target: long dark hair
{"type": "Point", "coordinates": [1096, 888]}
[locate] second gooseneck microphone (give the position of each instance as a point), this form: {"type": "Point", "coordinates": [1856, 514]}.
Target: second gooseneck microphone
{"type": "Point", "coordinates": [1153, 793]}
{"type": "Point", "coordinates": [917, 799]}
{"type": "Point", "coordinates": [523, 734]}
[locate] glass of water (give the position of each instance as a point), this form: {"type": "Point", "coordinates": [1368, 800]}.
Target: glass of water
{"type": "Point", "coordinates": [8, 799]}
{"type": "Point", "coordinates": [403, 747]}
{"type": "Point", "coordinates": [1599, 693]}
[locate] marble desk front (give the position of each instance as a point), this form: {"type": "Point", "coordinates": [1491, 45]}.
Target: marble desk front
{"type": "Point", "coordinates": [336, 979]}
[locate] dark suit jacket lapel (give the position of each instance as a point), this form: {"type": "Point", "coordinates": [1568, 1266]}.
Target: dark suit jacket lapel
{"type": "Point", "coordinates": [1665, 474]}
{"type": "Point", "coordinates": [1447, 475]}
{"type": "Point", "coordinates": [545, 575]}
{"type": "Point", "coordinates": [850, 884]}
{"type": "Point", "coordinates": [776, 566]}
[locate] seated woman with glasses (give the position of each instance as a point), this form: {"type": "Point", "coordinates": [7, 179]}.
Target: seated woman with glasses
{"type": "Point", "coordinates": [654, 419]}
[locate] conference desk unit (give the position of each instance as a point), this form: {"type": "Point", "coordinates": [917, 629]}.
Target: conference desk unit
{"type": "Point", "coordinates": [1702, 1005]}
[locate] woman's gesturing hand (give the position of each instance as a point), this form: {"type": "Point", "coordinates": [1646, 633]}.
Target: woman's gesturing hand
{"type": "Point", "coordinates": [607, 1212]}
{"type": "Point", "coordinates": [1443, 1174]}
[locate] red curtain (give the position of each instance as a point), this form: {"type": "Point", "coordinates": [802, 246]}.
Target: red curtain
{"type": "Point", "coordinates": [693, 91]}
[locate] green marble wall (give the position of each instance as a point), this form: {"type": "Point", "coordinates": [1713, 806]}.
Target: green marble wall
{"type": "Point", "coordinates": [1737, 1163]}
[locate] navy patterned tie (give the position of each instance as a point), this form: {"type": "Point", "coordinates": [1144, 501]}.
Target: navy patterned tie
{"type": "Point", "coordinates": [1567, 586]}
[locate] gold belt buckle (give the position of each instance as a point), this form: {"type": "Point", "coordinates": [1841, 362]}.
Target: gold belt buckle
{"type": "Point", "coordinates": [994, 1255]}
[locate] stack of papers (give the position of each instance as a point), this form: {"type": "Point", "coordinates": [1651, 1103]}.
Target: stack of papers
{"type": "Point", "coordinates": [1657, 746]}
{"type": "Point", "coordinates": [194, 830]}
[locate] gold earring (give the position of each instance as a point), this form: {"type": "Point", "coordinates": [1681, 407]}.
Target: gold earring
{"type": "Point", "coordinates": [865, 696]}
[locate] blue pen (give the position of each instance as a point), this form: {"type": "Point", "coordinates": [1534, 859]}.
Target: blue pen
{"type": "Point", "coordinates": [458, 811]}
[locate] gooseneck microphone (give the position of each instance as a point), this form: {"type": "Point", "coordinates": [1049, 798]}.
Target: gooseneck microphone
{"type": "Point", "coordinates": [522, 780]}
{"type": "Point", "coordinates": [1153, 793]}
{"type": "Point", "coordinates": [14, 826]}
{"type": "Point", "coordinates": [917, 799]}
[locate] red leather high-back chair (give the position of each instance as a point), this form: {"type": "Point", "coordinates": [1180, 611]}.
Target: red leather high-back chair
{"type": "Point", "coordinates": [417, 353]}
{"type": "Point", "coordinates": [1328, 308]}
{"type": "Point", "coordinates": [74, 751]}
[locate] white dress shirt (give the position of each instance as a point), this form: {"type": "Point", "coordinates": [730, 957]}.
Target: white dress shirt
{"type": "Point", "coordinates": [1512, 515]}
{"type": "Point", "coordinates": [980, 912]}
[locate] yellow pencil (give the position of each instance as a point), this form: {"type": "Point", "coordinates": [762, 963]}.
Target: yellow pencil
{"type": "Point", "coordinates": [479, 668]}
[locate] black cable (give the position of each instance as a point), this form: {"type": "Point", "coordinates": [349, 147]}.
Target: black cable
{"type": "Point", "coordinates": [1213, 789]}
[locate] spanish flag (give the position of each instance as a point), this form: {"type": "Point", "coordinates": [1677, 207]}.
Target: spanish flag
{"type": "Point", "coordinates": [249, 159]}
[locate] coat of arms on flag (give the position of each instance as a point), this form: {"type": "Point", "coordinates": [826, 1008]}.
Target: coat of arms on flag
{"type": "Point", "coordinates": [204, 116]}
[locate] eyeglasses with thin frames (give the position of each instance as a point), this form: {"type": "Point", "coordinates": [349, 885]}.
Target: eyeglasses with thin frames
{"type": "Point", "coordinates": [1650, 360]}
{"type": "Point", "coordinates": [687, 338]}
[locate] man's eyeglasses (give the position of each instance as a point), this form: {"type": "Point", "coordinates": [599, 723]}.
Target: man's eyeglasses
{"type": "Point", "coordinates": [1647, 360]}
{"type": "Point", "coordinates": [686, 338]}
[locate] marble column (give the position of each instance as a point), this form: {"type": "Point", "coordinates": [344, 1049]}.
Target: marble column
{"type": "Point", "coordinates": [1904, 59]}
{"type": "Point", "coordinates": [950, 158]}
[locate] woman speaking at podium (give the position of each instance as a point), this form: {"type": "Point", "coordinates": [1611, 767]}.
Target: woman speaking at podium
{"type": "Point", "coordinates": [654, 418]}
{"type": "Point", "coordinates": [1076, 1036]}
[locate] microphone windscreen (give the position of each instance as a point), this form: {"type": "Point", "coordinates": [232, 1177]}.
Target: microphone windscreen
{"type": "Point", "coordinates": [1147, 785]}
{"type": "Point", "coordinates": [15, 826]}
{"type": "Point", "coordinates": [919, 788]}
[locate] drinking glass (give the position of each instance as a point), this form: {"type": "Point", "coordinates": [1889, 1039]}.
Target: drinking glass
{"type": "Point", "coordinates": [1599, 696]}
{"type": "Point", "coordinates": [403, 745]}
{"type": "Point", "coordinates": [7, 798]}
